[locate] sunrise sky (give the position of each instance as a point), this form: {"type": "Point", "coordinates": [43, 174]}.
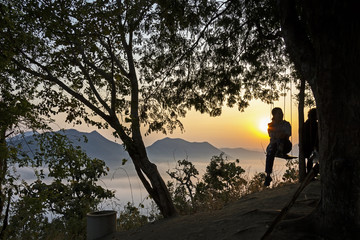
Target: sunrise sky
{"type": "Point", "coordinates": [232, 129]}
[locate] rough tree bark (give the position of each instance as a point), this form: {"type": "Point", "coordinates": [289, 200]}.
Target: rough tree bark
{"type": "Point", "coordinates": [147, 171]}
{"type": "Point", "coordinates": [324, 44]}
{"type": "Point", "coordinates": [137, 151]}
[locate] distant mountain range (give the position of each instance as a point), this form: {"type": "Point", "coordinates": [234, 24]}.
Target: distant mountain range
{"type": "Point", "coordinates": [96, 145]}
{"type": "Point", "coordinates": [164, 150]}
{"type": "Point", "coordinates": [175, 148]}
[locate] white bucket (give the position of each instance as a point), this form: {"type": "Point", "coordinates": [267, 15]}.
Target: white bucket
{"type": "Point", "coordinates": [100, 224]}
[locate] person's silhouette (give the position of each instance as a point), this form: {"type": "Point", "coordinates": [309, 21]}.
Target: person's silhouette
{"type": "Point", "coordinates": [279, 132]}
{"type": "Point", "coordinates": [310, 138]}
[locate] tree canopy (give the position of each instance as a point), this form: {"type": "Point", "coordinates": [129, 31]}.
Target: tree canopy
{"type": "Point", "coordinates": [135, 63]}
{"type": "Point", "coordinates": [175, 55]}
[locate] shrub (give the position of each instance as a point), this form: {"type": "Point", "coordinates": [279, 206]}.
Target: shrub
{"type": "Point", "coordinates": [130, 217]}
{"type": "Point", "coordinates": [183, 189]}
{"type": "Point", "coordinates": [68, 190]}
{"type": "Point", "coordinates": [291, 174]}
{"type": "Point", "coordinates": [222, 182]}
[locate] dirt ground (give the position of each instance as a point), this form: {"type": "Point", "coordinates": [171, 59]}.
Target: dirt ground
{"type": "Point", "coordinates": [248, 218]}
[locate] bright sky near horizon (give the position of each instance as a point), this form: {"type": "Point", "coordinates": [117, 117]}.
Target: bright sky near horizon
{"type": "Point", "coordinates": [232, 129]}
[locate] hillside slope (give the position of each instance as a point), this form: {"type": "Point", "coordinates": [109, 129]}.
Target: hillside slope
{"type": "Point", "coordinates": [246, 219]}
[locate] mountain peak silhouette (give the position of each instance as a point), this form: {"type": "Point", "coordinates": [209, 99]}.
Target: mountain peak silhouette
{"type": "Point", "coordinates": [163, 150]}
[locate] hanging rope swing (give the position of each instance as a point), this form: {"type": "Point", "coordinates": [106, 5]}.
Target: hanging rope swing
{"type": "Point", "coordinates": [291, 123]}
{"type": "Point", "coordinates": [286, 156]}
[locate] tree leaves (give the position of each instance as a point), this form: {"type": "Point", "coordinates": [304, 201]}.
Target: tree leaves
{"type": "Point", "coordinates": [66, 185]}
{"type": "Point", "coordinates": [199, 54]}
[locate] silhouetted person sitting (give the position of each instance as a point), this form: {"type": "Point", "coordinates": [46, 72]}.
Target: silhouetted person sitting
{"type": "Point", "coordinates": [279, 132]}
{"type": "Point", "coordinates": [310, 139]}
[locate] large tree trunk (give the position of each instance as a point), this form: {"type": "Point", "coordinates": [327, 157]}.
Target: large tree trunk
{"type": "Point", "coordinates": [146, 171]}
{"type": "Point", "coordinates": [339, 148]}
{"type": "Point", "coordinates": [324, 44]}
{"type": "Point", "coordinates": [155, 186]}
{"type": "Point", "coordinates": [337, 95]}
{"type": "Point", "coordinates": [153, 181]}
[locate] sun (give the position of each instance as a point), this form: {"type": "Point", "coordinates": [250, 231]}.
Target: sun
{"type": "Point", "coordinates": [263, 125]}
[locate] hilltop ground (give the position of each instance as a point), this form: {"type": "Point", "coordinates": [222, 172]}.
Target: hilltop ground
{"type": "Point", "coordinates": [246, 219]}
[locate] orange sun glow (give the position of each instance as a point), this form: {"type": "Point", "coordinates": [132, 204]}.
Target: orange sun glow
{"type": "Point", "coordinates": [263, 125]}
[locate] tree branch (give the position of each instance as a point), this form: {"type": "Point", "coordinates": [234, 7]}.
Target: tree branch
{"type": "Point", "coordinates": [86, 60]}
{"type": "Point", "coordinates": [192, 47]}
{"type": "Point", "coordinates": [92, 86]}
{"type": "Point", "coordinates": [9, 134]}
{"type": "Point", "coordinates": [112, 83]}
{"type": "Point", "coordinates": [55, 80]}
{"type": "Point", "coordinates": [135, 126]}
{"type": "Point", "coordinates": [112, 120]}
{"type": "Point", "coordinates": [146, 183]}
{"type": "Point", "coordinates": [297, 40]}
{"type": "Point", "coordinates": [116, 60]}
{"type": "Point", "coordinates": [6, 218]}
